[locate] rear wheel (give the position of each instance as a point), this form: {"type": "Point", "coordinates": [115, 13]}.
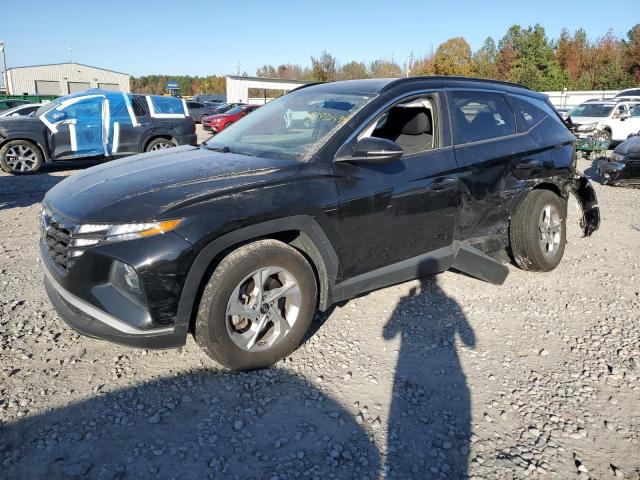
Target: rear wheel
{"type": "Point", "coordinates": [159, 144]}
{"type": "Point", "coordinates": [257, 305]}
{"type": "Point", "coordinates": [20, 157]}
{"type": "Point", "coordinates": [538, 231]}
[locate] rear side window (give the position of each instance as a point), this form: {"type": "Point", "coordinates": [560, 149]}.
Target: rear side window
{"type": "Point", "coordinates": [531, 114]}
{"type": "Point", "coordinates": [481, 116]}
{"type": "Point", "coordinates": [541, 105]}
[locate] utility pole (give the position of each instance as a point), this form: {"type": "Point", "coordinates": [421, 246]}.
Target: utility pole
{"type": "Point", "coordinates": [5, 75]}
{"type": "Point", "coordinates": [70, 57]}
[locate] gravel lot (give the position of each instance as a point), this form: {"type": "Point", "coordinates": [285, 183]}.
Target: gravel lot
{"type": "Point", "coordinates": [445, 378]}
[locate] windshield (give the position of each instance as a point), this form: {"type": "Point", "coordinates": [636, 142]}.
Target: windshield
{"type": "Point", "coordinates": [46, 107]}
{"type": "Point", "coordinates": [292, 127]}
{"type": "Point", "coordinates": [592, 110]}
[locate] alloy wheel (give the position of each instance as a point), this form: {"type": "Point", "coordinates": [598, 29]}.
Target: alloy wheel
{"type": "Point", "coordinates": [21, 158]}
{"type": "Point", "coordinates": [162, 145]}
{"type": "Point", "coordinates": [550, 230]}
{"type": "Point", "coordinates": [263, 309]}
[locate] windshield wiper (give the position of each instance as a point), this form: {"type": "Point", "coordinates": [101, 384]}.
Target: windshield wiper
{"type": "Point", "coordinates": [224, 149]}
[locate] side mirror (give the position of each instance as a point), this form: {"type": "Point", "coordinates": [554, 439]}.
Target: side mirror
{"type": "Point", "coordinates": [624, 116]}
{"type": "Point", "coordinates": [374, 150]}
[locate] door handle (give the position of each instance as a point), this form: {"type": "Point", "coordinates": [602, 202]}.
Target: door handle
{"type": "Point", "coordinates": [443, 183]}
{"type": "Point", "coordinates": [529, 165]}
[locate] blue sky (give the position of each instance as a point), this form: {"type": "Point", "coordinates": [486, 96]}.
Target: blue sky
{"type": "Point", "coordinates": [211, 37]}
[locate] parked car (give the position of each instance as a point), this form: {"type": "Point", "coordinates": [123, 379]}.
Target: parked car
{"type": "Point", "coordinates": [21, 110]}
{"type": "Point", "coordinates": [605, 115]}
{"type": "Point", "coordinates": [94, 123]}
{"type": "Point", "coordinates": [217, 123]}
{"type": "Point", "coordinates": [7, 103]}
{"type": "Point", "coordinates": [211, 99]}
{"type": "Point", "coordinates": [242, 238]}
{"type": "Point", "coordinates": [629, 92]}
{"type": "Point", "coordinates": [200, 111]}
{"type": "Point", "coordinates": [225, 107]}
{"type": "Point", "coordinates": [623, 166]}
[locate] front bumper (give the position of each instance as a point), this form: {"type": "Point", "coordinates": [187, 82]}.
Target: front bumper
{"type": "Point", "coordinates": [92, 322]}
{"type": "Point", "coordinates": [614, 172]}
{"type": "Point", "coordinates": [85, 297]}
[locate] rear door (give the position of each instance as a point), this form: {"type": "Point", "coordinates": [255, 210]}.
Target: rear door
{"type": "Point", "coordinates": [498, 151]}
{"type": "Point", "coordinates": [130, 126]}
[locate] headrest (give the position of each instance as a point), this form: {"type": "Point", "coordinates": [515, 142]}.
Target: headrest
{"type": "Point", "coordinates": [408, 121]}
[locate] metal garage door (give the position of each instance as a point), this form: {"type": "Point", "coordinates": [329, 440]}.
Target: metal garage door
{"type": "Point", "coordinates": [109, 86]}
{"type": "Point", "coordinates": [78, 86]}
{"type": "Point", "coordinates": [47, 87]}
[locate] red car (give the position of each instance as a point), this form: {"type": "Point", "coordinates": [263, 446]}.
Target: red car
{"type": "Point", "coordinates": [217, 123]}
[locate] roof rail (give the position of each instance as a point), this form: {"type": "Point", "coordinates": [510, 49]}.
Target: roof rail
{"type": "Point", "coordinates": [455, 77]}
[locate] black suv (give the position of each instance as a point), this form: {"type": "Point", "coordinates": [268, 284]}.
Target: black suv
{"type": "Point", "coordinates": [329, 191]}
{"type": "Point", "coordinates": [93, 124]}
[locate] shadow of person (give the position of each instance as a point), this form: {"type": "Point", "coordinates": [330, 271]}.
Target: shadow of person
{"type": "Point", "coordinates": [268, 424]}
{"type": "Point", "coordinates": [430, 418]}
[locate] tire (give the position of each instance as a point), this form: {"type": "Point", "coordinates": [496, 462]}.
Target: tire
{"type": "Point", "coordinates": [537, 244]}
{"type": "Point", "coordinates": [606, 136]}
{"type": "Point", "coordinates": [202, 118]}
{"type": "Point", "coordinates": [159, 144]}
{"type": "Point", "coordinates": [20, 157]}
{"type": "Point", "coordinates": [227, 125]}
{"type": "Point", "coordinates": [226, 337]}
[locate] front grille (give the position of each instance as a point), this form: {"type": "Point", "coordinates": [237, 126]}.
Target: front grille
{"type": "Point", "coordinates": [58, 239]}
{"type": "Point", "coordinates": [58, 234]}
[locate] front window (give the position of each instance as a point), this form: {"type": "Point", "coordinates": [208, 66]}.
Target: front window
{"type": "Point", "coordinates": [235, 110]}
{"type": "Point", "coordinates": [591, 110]}
{"type": "Point", "coordinates": [291, 127]}
{"type": "Point", "coordinates": [635, 111]}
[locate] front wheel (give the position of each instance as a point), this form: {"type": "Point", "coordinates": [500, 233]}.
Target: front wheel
{"type": "Point", "coordinates": [537, 231]}
{"type": "Point", "coordinates": [203, 118]}
{"type": "Point", "coordinates": [257, 305]}
{"type": "Point", "coordinates": [20, 157]}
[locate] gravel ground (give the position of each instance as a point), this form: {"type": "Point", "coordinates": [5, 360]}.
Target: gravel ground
{"type": "Point", "coordinates": [443, 378]}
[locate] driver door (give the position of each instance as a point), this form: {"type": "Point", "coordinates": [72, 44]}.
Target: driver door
{"type": "Point", "coordinates": [76, 128]}
{"type": "Point", "coordinates": [399, 211]}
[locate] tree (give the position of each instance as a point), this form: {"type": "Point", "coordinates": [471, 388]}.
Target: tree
{"type": "Point", "coordinates": [267, 71]}
{"type": "Point", "coordinates": [453, 57]}
{"type": "Point", "coordinates": [631, 53]}
{"type": "Point", "coordinates": [424, 65]}
{"type": "Point", "coordinates": [484, 59]}
{"type": "Point", "coordinates": [324, 67]}
{"type": "Point", "coordinates": [353, 71]}
{"type": "Point", "coordinates": [385, 69]}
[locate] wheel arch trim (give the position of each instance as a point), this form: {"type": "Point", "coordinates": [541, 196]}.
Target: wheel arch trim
{"type": "Point", "coordinates": [312, 240]}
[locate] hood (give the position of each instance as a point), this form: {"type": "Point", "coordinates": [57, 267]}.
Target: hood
{"type": "Point", "coordinates": [147, 186]}
{"type": "Point", "coordinates": [630, 148]}
{"type": "Point", "coordinates": [22, 122]}
{"type": "Point", "coordinates": [583, 120]}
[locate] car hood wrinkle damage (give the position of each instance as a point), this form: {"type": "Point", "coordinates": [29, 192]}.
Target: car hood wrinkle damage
{"type": "Point", "coordinates": [143, 187]}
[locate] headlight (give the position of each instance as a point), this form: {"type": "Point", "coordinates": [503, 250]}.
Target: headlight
{"type": "Point", "coordinates": [616, 157]}
{"type": "Point", "coordinates": [127, 231]}
{"type": "Point", "coordinates": [587, 127]}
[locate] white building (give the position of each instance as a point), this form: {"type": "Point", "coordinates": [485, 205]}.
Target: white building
{"type": "Point", "coordinates": [238, 88]}
{"type": "Point", "coordinates": [63, 78]}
